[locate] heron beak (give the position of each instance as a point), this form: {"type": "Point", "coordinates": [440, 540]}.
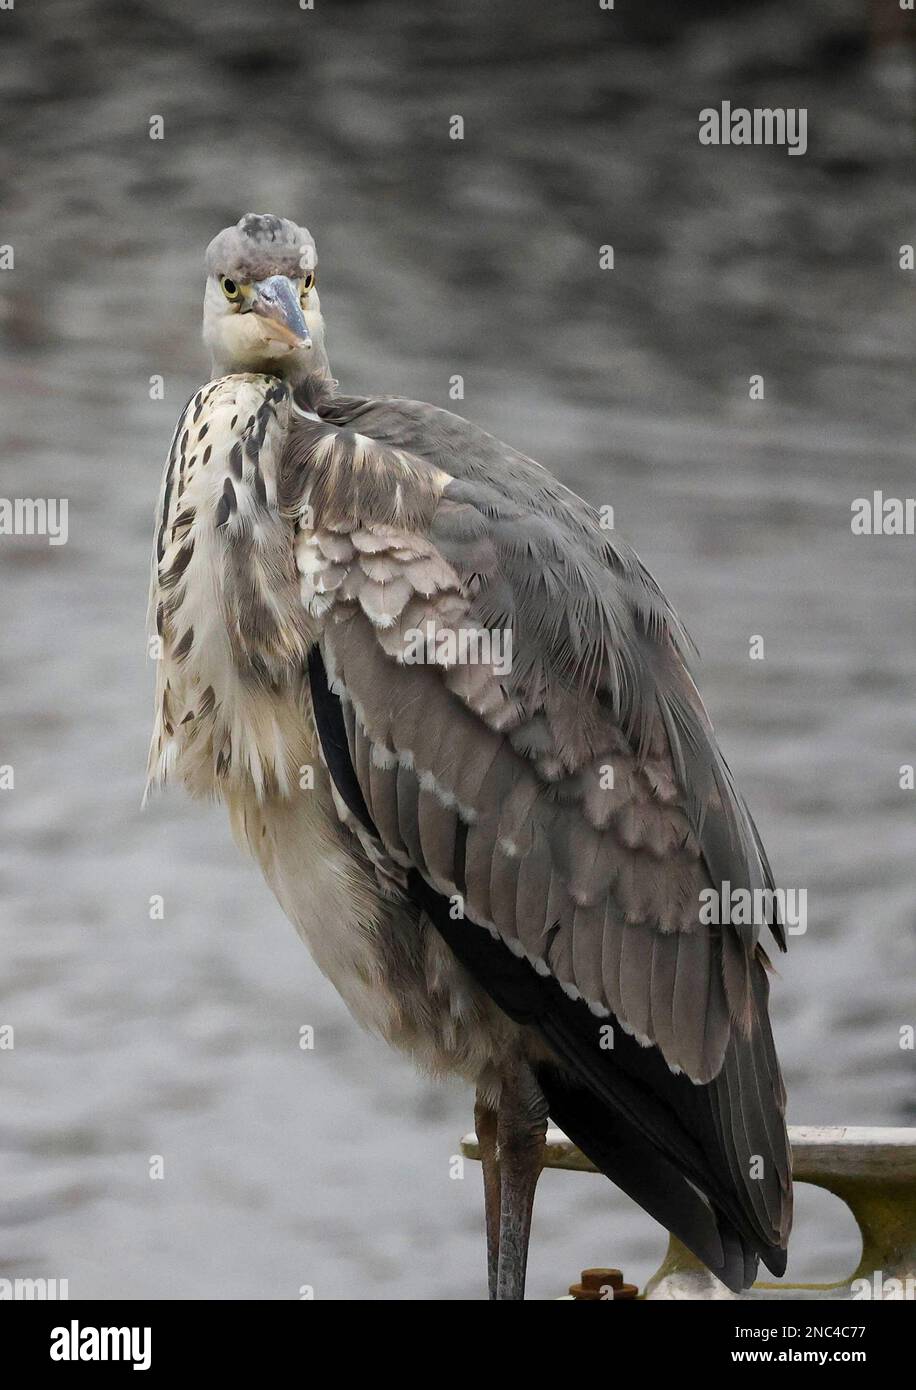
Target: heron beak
{"type": "Point", "coordinates": [277, 300]}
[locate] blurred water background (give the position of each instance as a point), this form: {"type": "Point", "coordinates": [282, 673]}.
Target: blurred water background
{"type": "Point", "coordinates": [180, 1037]}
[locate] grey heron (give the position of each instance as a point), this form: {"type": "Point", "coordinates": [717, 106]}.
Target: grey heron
{"type": "Point", "coordinates": [498, 863]}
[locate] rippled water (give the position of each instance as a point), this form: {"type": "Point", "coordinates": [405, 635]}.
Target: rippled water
{"type": "Point", "coordinates": [179, 1037]}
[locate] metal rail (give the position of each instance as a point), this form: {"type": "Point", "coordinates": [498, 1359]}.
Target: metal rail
{"type": "Point", "coordinates": [872, 1170]}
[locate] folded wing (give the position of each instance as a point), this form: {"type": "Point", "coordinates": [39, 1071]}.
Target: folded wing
{"type": "Point", "coordinates": [509, 704]}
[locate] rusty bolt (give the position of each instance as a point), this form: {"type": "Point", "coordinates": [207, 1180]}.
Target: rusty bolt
{"type": "Point", "coordinates": [601, 1285]}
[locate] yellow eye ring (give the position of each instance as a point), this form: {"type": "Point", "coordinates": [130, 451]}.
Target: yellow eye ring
{"type": "Point", "coordinates": [230, 289]}
{"type": "Point", "coordinates": [307, 284]}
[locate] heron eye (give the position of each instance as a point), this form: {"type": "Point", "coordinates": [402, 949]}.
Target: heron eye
{"type": "Point", "coordinates": [229, 288]}
{"type": "Point", "coordinates": [307, 283]}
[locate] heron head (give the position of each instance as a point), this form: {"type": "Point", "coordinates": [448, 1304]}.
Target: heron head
{"type": "Point", "coordinates": [261, 309]}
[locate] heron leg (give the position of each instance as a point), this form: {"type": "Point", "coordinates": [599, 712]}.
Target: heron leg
{"type": "Point", "coordinates": [520, 1132]}
{"type": "Point", "coordinates": [485, 1126]}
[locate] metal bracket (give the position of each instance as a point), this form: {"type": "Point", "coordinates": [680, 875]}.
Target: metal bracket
{"type": "Point", "coordinates": [872, 1170]}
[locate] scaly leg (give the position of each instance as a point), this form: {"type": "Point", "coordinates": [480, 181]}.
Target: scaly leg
{"type": "Point", "coordinates": [485, 1126]}
{"type": "Point", "coordinates": [521, 1130]}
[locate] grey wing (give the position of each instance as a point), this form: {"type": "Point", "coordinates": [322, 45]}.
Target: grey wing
{"type": "Point", "coordinates": [571, 797]}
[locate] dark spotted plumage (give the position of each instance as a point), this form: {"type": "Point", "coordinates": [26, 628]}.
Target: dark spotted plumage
{"type": "Point", "coordinates": [178, 566]}
{"type": "Point", "coordinates": [262, 226]}
{"type": "Point", "coordinates": [166, 501]}
{"type": "Point", "coordinates": [227, 503]}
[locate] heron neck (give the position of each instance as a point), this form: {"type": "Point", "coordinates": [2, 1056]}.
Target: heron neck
{"type": "Point", "coordinates": [316, 387]}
